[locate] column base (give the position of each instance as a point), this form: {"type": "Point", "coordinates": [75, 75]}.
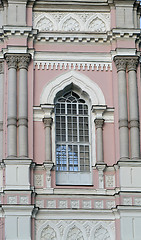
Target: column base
{"type": "Point", "coordinates": [17, 173]}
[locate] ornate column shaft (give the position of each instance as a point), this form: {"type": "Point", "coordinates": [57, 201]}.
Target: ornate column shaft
{"type": "Point", "coordinates": [133, 107]}
{"type": "Point", "coordinates": [23, 62]}
{"type": "Point", "coordinates": [99, 139]}
{"type": "Point", "coordinates": [123, 110]}
{"type": "Point", "coordinates": [1, 108]}
{"type": "Point", "coordinates": [12, 105]}
{"type": "Point", "coordinates": [48, 123]}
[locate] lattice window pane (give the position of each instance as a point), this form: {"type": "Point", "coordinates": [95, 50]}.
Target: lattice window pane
{"type": "Point", "coordinates": [72, 128]}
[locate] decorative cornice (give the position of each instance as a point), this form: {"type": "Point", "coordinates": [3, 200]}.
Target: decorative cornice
{"type": "Point", "coordinates": [23, 61]}
{"type": "Point", "coordinates": [132, 63]}
{"type": "Point", "coordinates": [93, 66]}
{"type": "Point", "coordinates": [99, 123]}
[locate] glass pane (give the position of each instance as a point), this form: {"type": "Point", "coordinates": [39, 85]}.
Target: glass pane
{"type": "Point", "coordinates": [71, 129]}
{"type": "Point", "coordinates": [61, 160]}
{"type": "Point", "coordinates": [68, 108]}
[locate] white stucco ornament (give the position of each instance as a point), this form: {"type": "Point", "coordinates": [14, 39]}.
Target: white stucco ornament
{"type": "Point", "coordinates": [97, 25]}
{"type": "Point", "coordinates": [48, 233]}
{"type": "Point", "coordinates": [45, 24]}
{"type": "Point", "coordinates": [71, 25]}
{"type": "Point", "coordinates": [71, 22]}
{"type": "Point", "coordinates": [75, 233]}
{"type": "Point", "coordinates": [101, 234]}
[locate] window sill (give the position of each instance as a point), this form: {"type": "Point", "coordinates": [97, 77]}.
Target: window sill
{"type": "Point", "coordinates": [73, 178]}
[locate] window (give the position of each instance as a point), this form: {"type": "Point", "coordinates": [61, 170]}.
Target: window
{"type": "Point", "coordinates": [72, 135]}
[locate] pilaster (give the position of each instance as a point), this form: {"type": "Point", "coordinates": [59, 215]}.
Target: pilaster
{"type": "Point", "coordinates": [1, 107]}
{"type": "Point", "coordinates": [12, 105]}
{"type": "Point", "coordinates": [133, 107]}
{"type": "Point", "coordinates": [123, 109]}
{"type": "Point", "coordinates": [23, 61]}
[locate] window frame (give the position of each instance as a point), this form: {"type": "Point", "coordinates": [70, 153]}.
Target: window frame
{"type": "Point", "coordinates": [76, 177]}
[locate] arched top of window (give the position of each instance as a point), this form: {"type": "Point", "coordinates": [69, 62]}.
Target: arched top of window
{"type": "Point", "coordinates": [71, 97]}
{"type": "Point", "coordinates": [78, 82]}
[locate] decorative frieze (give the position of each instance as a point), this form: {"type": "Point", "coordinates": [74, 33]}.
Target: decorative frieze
{"type": "Point", "coordinates": [110, 204]}
{"type": "Point", "coordinates": [12, 200]}
{"type": "Point", "coordinates": [98, 204]}
{"type": "Point", "coordinates": [71, 22]}
{"type": "Point", "coordinates": [86, 204]}
{"type": "Point", "coordinates": [137, 201]}
{"type": "Point", "coordinates": [74, 203]}
{"type": "Point", "coordinates": [74, 229]}
{"type": "Point", "coordinates": [51, 204]}
{"type": "Point", "coordinates": [40, 203]}
{"type": "Point", "coordinates": [90, 203]}
{"type": "Point", "coordinates": [62, 204]}
{"type": "Point", "coordinates": [85, 66]}
{"type": "Point", "coordinates": [127, 201]}
{"type": "Point", "coordinates": [23, 200]}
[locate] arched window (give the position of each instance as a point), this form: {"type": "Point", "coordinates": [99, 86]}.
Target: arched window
{"type": "Point", "coordinates": [72, 134]}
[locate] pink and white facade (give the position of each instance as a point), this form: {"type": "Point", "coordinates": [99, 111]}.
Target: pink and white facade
{"type": "Point", "coordinates": [70, 106]}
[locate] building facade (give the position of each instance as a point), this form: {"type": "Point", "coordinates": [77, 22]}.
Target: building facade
{"type": "Point", "coordinates": [70, 105]}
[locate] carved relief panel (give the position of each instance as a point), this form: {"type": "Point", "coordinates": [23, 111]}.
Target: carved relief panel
{"type": "Point", "coordinates": [73, 230]}
{"type": "Point", "coordinates": [71, 22]}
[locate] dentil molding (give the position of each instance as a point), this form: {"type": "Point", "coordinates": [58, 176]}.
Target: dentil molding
{"type": "Point", "coordinates": [66, 65]}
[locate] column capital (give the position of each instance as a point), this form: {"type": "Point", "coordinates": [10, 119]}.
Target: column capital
{"type": "Point", "coordinates": [23, 61]}
{"type": "Point", "coordinates": [99, 123]}
{"type": "Point", "coordinates": [48, 122]}
{"type": "Point", "coordinates": [11, 60]}
{"type": "Point", "coordinates": [132, 63]}
{"type": "Point", "coordinates": [120, 63]}
{"type": "Point", "coordinates": [1, 67]}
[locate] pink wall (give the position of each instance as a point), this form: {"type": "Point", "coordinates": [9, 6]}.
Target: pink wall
{"type": "Point", "coordinates": [102, 78]}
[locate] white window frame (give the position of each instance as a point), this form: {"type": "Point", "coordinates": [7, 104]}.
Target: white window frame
{"type": "Point", "coordinates": [77, 177]}
{"type": "Point", "coordinates": [46, 109]}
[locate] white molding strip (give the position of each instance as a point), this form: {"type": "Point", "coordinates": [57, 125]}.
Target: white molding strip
{"type": "Point", "coordinates": [59, 65]}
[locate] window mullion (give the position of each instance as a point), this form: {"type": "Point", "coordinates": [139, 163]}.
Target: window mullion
{"type": "Point", "coordinates": [78, 137]}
